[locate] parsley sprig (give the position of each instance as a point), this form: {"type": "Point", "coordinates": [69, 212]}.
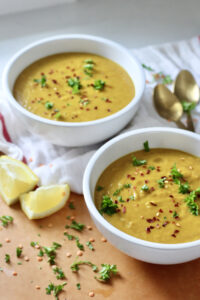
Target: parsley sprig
{"type": "Point", "coordinates": [76, 226]}
{"type": "Point", "coordinates": [60, 273]}
{"type": "Point", "coordinates": [188, 106]}
{"type": "Point", "coordinates": [42, 80]}
{"type": "Point", "coordinates": [75, 266]}
{"type": "Point", "coordinates": [75, 84]}
{"type": "Point", "coordinates": [138, 162]}
{"type": "Point", "coordinates": [99, 85]}
{"type": "Point", "coordinates": [5, 220]}
{"type": "Point", "coordinates": [56, 289]}
{"type": "Point", "coordinates": [190, 201]}
{"type": "Point", "coordinates": [106, 272]}
{"type": "Point", "coordinates": [146, 146]}
{"type": "Point", "coordinates": [108, 206]}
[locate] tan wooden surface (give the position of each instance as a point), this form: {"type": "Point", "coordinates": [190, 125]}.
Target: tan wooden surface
{"type": "Point", "coordinates": [137, 280]}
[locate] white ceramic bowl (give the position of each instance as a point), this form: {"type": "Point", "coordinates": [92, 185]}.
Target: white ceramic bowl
{"type": "Point", "coordinates": [118, 147]}
{"type": "Point", "coordinates": [79, 133]}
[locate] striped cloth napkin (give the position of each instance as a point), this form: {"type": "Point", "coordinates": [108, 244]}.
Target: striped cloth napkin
{"type": "Point", "coordinates": [54, 164]}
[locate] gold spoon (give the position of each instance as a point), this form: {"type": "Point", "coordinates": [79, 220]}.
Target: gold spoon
{"type": "Point", "coordinates": [168, 105]}
{"type": "Point", "coordinates": [186, 89]}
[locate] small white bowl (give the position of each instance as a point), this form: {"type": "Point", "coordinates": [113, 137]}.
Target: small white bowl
{"type": "Point", "coordinates": [114, 149]}
{"type": "Point", "coordinates": [78, 133]}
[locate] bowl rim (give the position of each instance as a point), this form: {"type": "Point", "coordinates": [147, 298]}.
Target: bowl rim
{"type": "Point", "coordinates": [94, 211]}
{"type": "Point", "coordinates": [13, 101]}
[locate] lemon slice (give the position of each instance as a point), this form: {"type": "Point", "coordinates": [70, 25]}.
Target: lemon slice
{"type": "Point", "coordinates": [44, 201]}
{"type": "Point", "coordinates": [16, 178]}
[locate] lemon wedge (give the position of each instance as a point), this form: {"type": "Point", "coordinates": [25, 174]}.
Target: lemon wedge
{"type": "Point", "coordinates": [44, 201]}
{"type": "Point", "coordinates": [16, 178]}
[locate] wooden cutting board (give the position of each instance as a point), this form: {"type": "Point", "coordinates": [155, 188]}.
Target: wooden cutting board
{"type": "Point", "coordinates": [136, 281]}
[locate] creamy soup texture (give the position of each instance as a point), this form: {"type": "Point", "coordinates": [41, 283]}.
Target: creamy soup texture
{"type": "Point", "coordinates": [152, 195]}
{"type": "Point", "coordinates": [74, 87]}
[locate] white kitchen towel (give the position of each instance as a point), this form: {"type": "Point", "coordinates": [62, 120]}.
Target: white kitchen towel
{"type": "Point", "coordinates": [54, 164]}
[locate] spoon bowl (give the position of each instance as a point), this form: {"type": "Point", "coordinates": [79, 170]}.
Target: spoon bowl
{"type": "Point", "coordinates": [167, 104]}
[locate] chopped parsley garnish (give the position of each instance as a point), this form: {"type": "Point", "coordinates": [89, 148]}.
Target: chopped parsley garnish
{"type": "Point", "coordinates": [175, 214]}
{"type": "Point", "coordinates": [127, 185]}
{"type": "Point", "coordinates": [33, 244]}
{"type": "Point", "coordinates": [147, 68]}
{"type": "Point", "coordinates": [151, 168]}
{"type": "Point", "coordinates": [42, 81]}
{"type": "Point", "coordinates": [56, 289]}
{"type": "Point", "coordinates": [51, 252]}
{"type": "Point", "coordinates": [77, 226]}
{"type": "Point", "coordinates": [18, 252]}
{"type": "Point", "coordinates": [19, 263]}
{"type": "Point", "coordinates": [184, 188]}
{"type": "Point", "coordinates": [88, 68]}
{"type": "Point", "coordinates": [190, 201]}
{"type": "Point", "coordinates": [69, 236]}
{"type": "Point", "coordinates": [99, 85]}
{"type": "Point", "coordinates": [5, 220]}
{"type": "Point", "coordinates": [146, 146]}
{"type": "Point", "coordinates": [58, 115]}
{"type": "Point", "coordinates": [176, 175]}
{"type": "Point", "coordinates": [78, 244]}
{"type": "Point", "coordinates": [119, 198]}
{"type": "Point", "coordinates": [106, 272]}
{"type": "Point", "coordinates": [7, 258]}
{"type": "Point", "coordinates": [71, 205]}
{"type": "Point", "coordinates": [99, 188]}
{"type": "Point", "coordinates": [78, 285]}
{"type": "Point", "coordinates": [117, 192]}
{"type": "Point", "coordinates": [132, 197]}
{"type": "Point", "coordinates": [75, 266]}
{"type": "Point", "coordinates": [188, 106]}
{"type": "Point", "coordinates": [161, 182]}
{"type": "Point", "coordinates": [84, 102]}
{"type": "Point", "coordinates": [108, 206]}
{"type": "Point", "coordinates": [90, 246]}
{"type": "Point", "coordinates": [167, 79]}
{"type": "Point", "coordinates": [89, 61]}
{"type": "Point", "coordinates": [138, 162]}
{"type": "Point", "coordinates": [75, 84]}
{"type": "Point", "coordinates": [145, 188]}
{"type": "Point", "coordinates": [48, 105]}
{"type": "Point", "coordinates": [60, 273]}
{"type": "Point", "coordinates": [1, 245]}
{"type": "Point", "coordinates": [41, 253]}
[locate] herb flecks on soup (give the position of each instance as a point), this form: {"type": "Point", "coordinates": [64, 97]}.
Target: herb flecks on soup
{"type": "Point", "coordinates": [74, 87]}
{"type": "Point", "coordinates": [153, 195]}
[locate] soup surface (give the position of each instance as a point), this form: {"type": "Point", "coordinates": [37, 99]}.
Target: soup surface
{"type": "Point", "coordinates": [152, 195]}
{"type": "Point", "coordinates": [74, 87]}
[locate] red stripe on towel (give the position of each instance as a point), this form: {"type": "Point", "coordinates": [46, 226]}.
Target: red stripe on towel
{"type": "Point", "coordinates": [6, 134]}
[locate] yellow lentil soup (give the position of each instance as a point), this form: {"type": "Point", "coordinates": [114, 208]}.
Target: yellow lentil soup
{"type": "Point", "coordinates": [74, 87]}
{"type": "Point", "coordinates": [152, 195]}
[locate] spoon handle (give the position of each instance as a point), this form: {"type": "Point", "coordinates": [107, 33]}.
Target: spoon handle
{"type": "Point", "coordinates": [190, 123]}
{"type": "Point", "coordinates": [181, 125]}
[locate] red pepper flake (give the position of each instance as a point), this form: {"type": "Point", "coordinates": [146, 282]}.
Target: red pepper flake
{"type": "Point", "coordinates": [171, 196]}
{"type": "Point", "coordinates": [173, 235]}
{"type": "Point", "coordinates": [124, 210]}
{"type": "Point", "coordinates": [151, 220]}
{"type": "Point", "coordinates": [153, 203]}
{"type": "Point", "coordinates": [108, 101]}
{"type": "Point", "coordinates": [165, 224]}
{"type": "Point", "coordinates": [158, 170]}
{"type": "Point", "coordinates": [118, 210]}
{"type": "Point", "coordinates": [151, 227]}
{"type": "Point", "coordinates": [144, 167]}
{"type": "Point", "coordinates": [73, 70]}
{"type": "Point", "coordinates": [74, 75]}
{"type": "Point", "coordinates": [142, 174]}
{"type": "Point", "coordinates": [127, 200]}
{"type": "Point", "coordinates": [148, 171]}
{"type": "Point", "coordinates": [132, 178]}
{"type": "Point", "coordinates": [54, 81]}
{"type": "Point", "coordinates": [160, 210]}
{"type": "Point", "coordinates": [128, 175]}
{"type": "Point", "coordinates": [148, 230]}
{"type": "Point", "coordinates": [146, 181]}
{"type": "Point", "coordinates": [116, 201]}
{"type": "Point", "coordinates": [176, 204]}
{"type": "Point", "coordinates": [95, 107]}
{"type": "Point", "coordinates": [152, 189]}
{"type": "Point", "coordinates": [108, 110]}
{"type": "Point", "coordinates": [170, 211]}
{"type": "Point", "coordinates": [87, 109]}
{"type": "Point", "coordinates": [176, 231]}
{"type": "Point", "coordinates": [42, 73]}
{"type": "Point", "coordinates": [81, 107]}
